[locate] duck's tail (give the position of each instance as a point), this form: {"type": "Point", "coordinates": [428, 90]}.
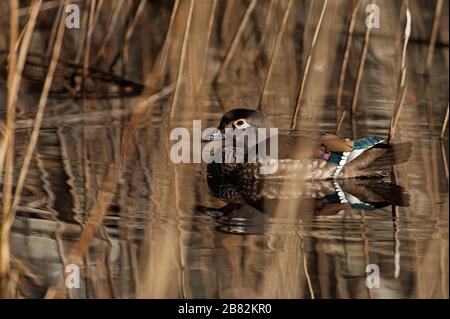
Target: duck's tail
{"type": "Point", "coordinates": [370, 156]}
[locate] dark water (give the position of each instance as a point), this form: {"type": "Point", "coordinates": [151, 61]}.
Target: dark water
{"type": "Point", "coordinates": [161, 235]}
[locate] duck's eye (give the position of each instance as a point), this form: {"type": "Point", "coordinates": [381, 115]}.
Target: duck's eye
{"type": "Point", "coordinates": [241, 123]}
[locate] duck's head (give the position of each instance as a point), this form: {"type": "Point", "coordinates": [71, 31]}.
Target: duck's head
{"type": "Point", "coordinates": [240, 120]}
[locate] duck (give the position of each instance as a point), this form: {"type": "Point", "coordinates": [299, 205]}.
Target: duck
{"type": "Point", "coordinates": [328, 156]}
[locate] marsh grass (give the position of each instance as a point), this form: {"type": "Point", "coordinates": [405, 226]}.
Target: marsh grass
{"type": "Point", "coordinates": [183, 52]}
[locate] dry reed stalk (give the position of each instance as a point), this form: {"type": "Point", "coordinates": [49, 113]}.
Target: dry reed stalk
{"type": "Point", "coordinates": [397, 112]}
{"type": "Point", "coordinates": [395, 225]}
{"type": "Point", "coordinates": [402, 87]}
{"type": "Point", "coordinates": [75, 118]}
{"type": "Point", "coordinates": [110, 30]}
{"type": "Point", "coordinates": [131, 27]}
{"type": "Point", "coordinates": [7, 147]}
{"type": "Point", "coordinates": [405, 44]}
{"type": "Point", "coordinates": [305, 269]}
{"type": "Point", "coordinates": [19, 41]}
{"type": "Point", "coordinates": [444, 159]}
{"type": "Point", "coordinates": [98, 9]}
{"type": "Point", "coordinates": [87, 53]}
{"type": "Point", "coordinates": [4, 233]}
{"type": "Point", "coordinates": [364, 236]}
{"type": "Point", "coordinates": [433, 37]}
{"type": "Point", "coordinates": [362, 61]}
{"type": "Point", "coordinates": [433, 162]}
{"type": "Point", "coordinates": [109, 186]}
{"type": "Point", "coordinates": [182, 58]}
{"type": "Point", "coordinates": [12, 60]}
{"type": "Point", "coordinates": [141, 108]}
{"type": "Point", "coordinates": [98, 6]}
{"type": "Point", "coordinates": [267, 23]}
{"type": "Point", "coordinates": [51, 40]}
{"type": "Point", "coordinates": [39, 114]}
{"type": "Point", "coordinates": [226, 29]}
{"type": "Point", "coordinates": [84, 28]}
{"type": "Point", "coordinates": [399, 32]}
{"type": "Point", "coordinates": [236, 39]}
{"type": "Point", "coordinates": [266, 28]}
{"type": "Point", "coordinates": [341, 120]}
{"type": "Point", "coordinates": [81, 39]}
{"type": "Point", "coordinates": [48, 5]}
{"type": "Point", "coordinates": [397, 254]}
{"type": "Point", "coordinates": [96, 214]}
{"type": "Point", "coordinates": [445, 125]}
{"type": "Point", "coordinates": [348, 46]}
{"type": "Point", "coordinates": [307, 66]}
{"type": "Point", "coordinates": [208, 40]}
{"type": "Point", "coordinates": [160, 65]}
{"type": "Point", "coordinates": [86, 62]}
{"type": "Point", "coordinates": [15, 69]}
{"type": "Point", "coordinates": [275, 51]}
{"type": "Point", "coordinates": [308, 25]}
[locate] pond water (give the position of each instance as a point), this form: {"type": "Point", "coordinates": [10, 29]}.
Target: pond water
{"type": "Point", "coordinates": [163, 230]}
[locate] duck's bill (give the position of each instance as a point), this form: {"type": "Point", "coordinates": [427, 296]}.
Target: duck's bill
{"type": "Point", "coordinates": [213, 136]}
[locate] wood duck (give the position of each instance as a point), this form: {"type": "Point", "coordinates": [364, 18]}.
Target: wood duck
{"type": "Point", "coordinates": [301, 157]}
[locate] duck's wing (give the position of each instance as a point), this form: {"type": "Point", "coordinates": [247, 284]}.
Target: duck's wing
{"type": "Point", "coordinates": [367, 156]}
{"type": "Point", "coordinates": [332, 156]}
{"type": "Point", "coordinates": [296, 147]}
{"type": "Point", "coordinates": [376, 159]}
{"type": "Point", "coordinates": [335, 143]}
{"type": "Point", "coordinates": [292, 145]}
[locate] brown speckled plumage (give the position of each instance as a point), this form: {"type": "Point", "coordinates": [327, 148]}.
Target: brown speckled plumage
{"type": "Point", "coordinates": [305, 158]}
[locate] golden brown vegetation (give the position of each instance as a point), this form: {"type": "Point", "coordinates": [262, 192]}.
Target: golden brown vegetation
{"type": "Point", "coordinates": [113, 89]}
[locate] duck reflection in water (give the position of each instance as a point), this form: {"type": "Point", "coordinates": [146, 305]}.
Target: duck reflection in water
{"type": "Point", "coordinates": [251, 202]}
